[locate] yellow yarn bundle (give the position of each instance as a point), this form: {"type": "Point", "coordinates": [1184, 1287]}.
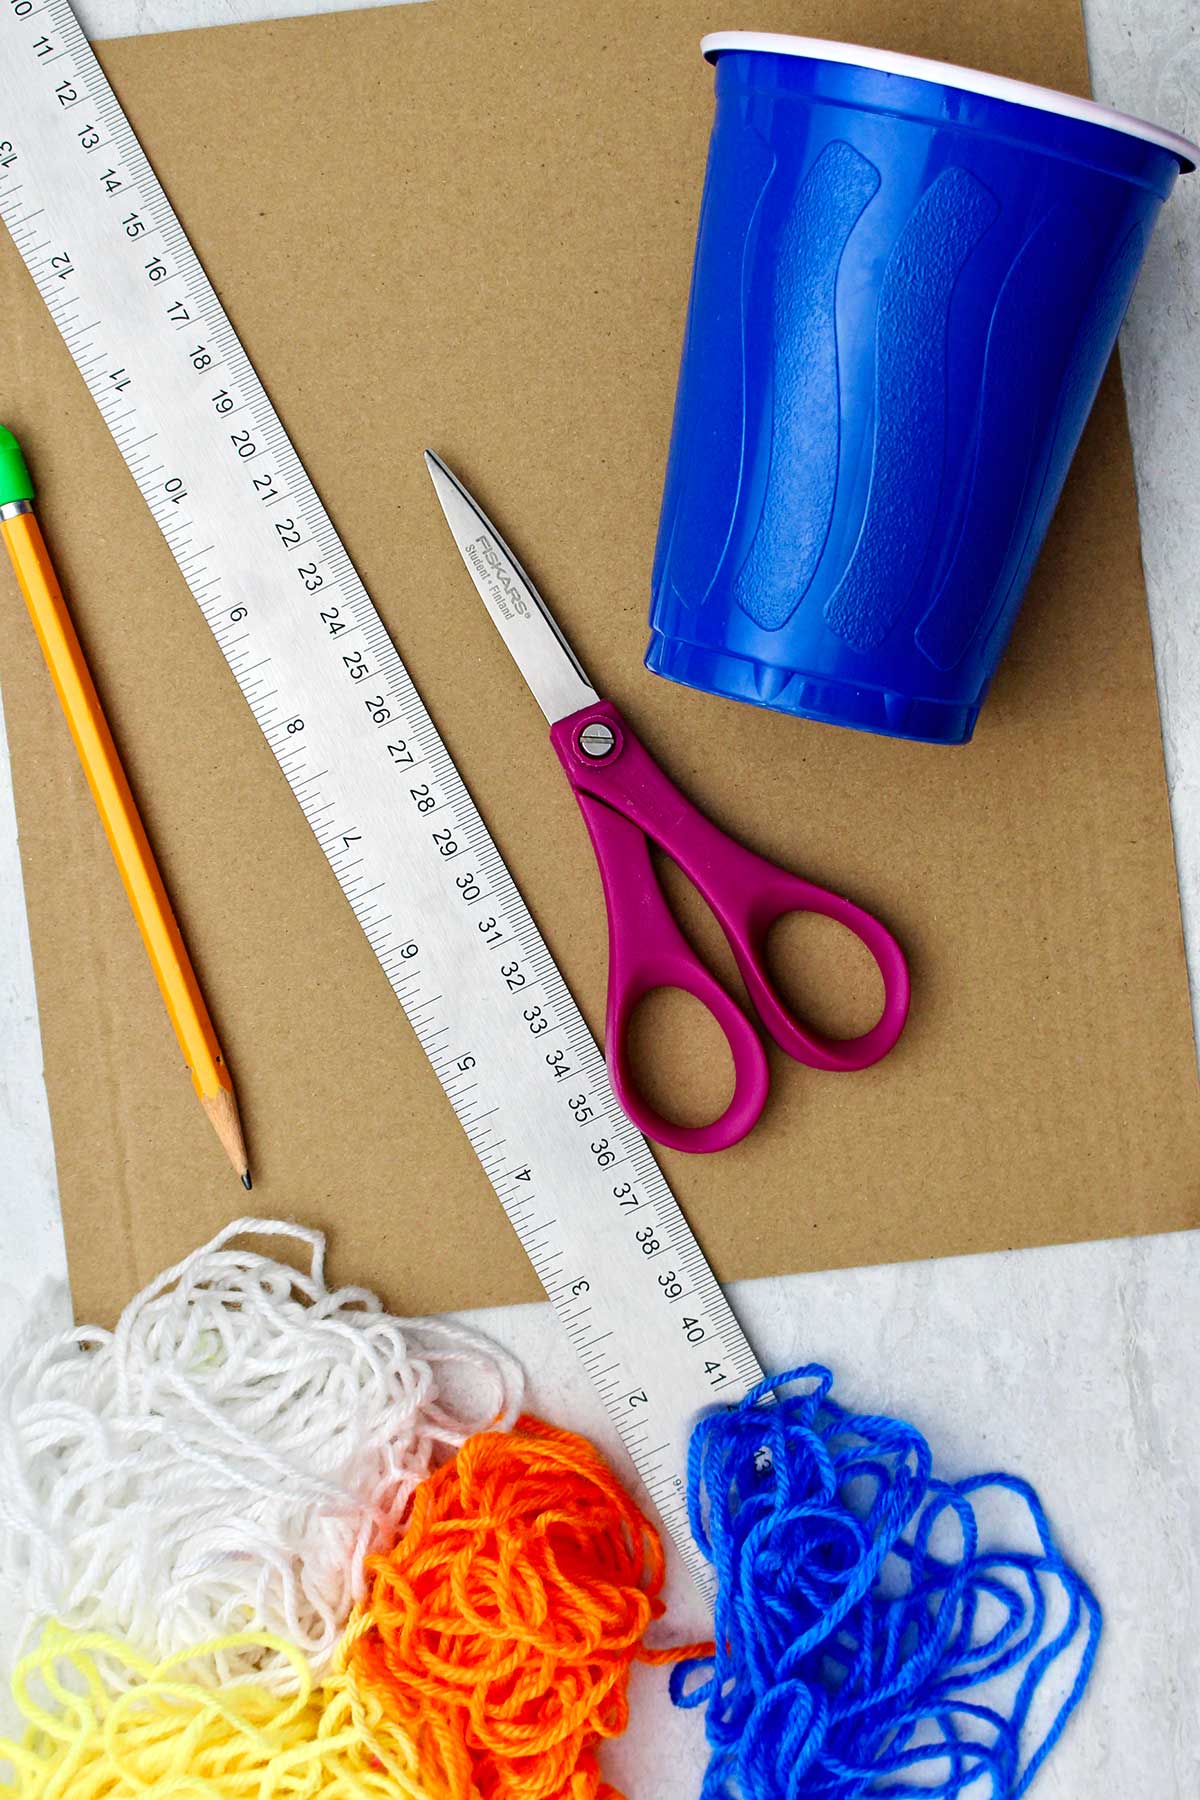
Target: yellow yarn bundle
{"type": "Point", "coordinates": [156, 1733]}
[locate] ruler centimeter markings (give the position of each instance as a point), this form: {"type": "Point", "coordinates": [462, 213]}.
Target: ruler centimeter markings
{"type": "Point", "coordinates": [361, 754]}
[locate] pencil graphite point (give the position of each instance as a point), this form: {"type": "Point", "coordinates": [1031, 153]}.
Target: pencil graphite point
{"type": "Point", "coordinates": [246, 1181]}
{"type": "Point", "coordinates": [222, 1111]}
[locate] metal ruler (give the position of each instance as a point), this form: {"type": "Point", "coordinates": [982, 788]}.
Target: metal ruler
{"type": "Point", "coordinates": [361, 754]}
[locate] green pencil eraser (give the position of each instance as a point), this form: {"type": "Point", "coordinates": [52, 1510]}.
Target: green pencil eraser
{"type": "Point", "coordinates": [14, 475]}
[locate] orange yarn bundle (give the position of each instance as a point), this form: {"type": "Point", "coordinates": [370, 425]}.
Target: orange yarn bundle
{"type": "Point", "coordinates": [501, 1629]}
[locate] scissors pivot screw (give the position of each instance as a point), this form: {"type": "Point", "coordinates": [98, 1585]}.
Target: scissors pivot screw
{"type": "Point", "coordinates": [597, 740]}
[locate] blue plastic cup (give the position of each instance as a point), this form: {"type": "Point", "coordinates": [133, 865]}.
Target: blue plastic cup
{"type": "Point", "coordinates": [908, 280]}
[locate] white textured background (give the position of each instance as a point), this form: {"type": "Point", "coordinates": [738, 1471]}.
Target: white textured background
{"type": "Point", "coordinates": [1078, 1367]}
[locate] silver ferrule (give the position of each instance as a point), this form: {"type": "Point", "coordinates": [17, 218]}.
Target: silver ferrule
{"type": "Point", "coordinates": [14, 508]}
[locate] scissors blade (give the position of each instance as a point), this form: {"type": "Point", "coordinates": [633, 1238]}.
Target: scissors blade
{"type": "Point", "coordinates": [518, 612]}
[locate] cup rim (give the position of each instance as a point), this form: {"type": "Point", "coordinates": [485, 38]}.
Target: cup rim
{"type": "Point", "coordinates": [971, 81]}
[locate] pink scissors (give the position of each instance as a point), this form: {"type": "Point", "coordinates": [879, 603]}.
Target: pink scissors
{"type": "Point", "coordinates": [626, 801]}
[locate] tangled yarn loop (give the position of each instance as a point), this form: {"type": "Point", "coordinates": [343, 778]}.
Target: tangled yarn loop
{"type": "Point", "coordinates": [106, 1724]}
{"type": "Point", "coordinates": [226, 1458]}
{"type": "Point", "coordinates": [501, 1629]}
{"type": "Point", "coordinates": [264, 1541]}
{"type": "Point", "coordinates": [864, 1632]}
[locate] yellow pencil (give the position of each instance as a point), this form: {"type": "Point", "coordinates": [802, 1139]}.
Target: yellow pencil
{"type": "Point", "coordinates": [119, 816]}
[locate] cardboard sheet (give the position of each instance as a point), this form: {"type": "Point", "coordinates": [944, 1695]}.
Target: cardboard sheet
{"type": "Point", "coordinates": [471, 226]}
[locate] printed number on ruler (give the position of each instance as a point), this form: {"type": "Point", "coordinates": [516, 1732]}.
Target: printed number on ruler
{"type": "Point", "coordinates": [360, 752]}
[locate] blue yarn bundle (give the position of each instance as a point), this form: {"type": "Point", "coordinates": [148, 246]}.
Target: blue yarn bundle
{"type": "Point", "coordinates": [852, 1656]}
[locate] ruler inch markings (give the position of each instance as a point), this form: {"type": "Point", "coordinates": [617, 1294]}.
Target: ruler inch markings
{"type": "Point", "coordinates": [364, 759]}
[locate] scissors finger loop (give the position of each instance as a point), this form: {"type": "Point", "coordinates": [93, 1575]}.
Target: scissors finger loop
{"type": "Point", "coordinates": [773, 899]}
{"type": "Point", "coordinates": [646, 952]}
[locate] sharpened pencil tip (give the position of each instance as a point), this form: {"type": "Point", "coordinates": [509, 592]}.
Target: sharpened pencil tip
{"type": "Point", "coordinates": [246, 1181]}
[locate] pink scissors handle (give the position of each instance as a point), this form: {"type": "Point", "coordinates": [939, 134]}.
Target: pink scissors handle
{"type": "Point", "coordinates": [606, 764]}
{"type": "Point", "coordinates": [647, 950]}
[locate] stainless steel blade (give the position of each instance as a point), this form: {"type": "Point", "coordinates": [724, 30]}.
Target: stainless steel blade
{"type": "Point", "coordinates": [520, 615]}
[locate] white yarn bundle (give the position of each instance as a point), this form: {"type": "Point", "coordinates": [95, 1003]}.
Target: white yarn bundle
{"type": "Point", "coordinates": [228, 1455]}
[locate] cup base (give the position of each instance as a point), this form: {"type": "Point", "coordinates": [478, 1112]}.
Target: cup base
{"type": "Point", "coordinates": [808, 696]}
